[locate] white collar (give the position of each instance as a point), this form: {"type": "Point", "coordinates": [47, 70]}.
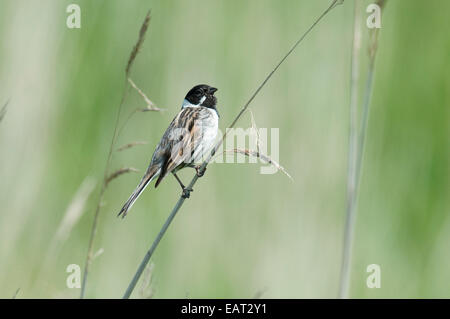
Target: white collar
{"type": "Point", "coordinates": [186, 103]}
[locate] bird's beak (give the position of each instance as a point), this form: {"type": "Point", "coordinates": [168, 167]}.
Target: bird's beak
{"type": "Point", "coordinates": [212, 90]}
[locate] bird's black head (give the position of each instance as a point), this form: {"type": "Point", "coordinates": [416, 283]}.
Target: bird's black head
{"type": "Point", "coordinates": [202, 95]}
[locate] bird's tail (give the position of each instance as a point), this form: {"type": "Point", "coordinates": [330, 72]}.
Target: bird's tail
{"type": "Point", "coordinates": [152, 172]}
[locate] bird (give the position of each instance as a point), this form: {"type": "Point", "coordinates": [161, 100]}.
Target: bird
{"type": "Point", "coordinates": [189, 137]}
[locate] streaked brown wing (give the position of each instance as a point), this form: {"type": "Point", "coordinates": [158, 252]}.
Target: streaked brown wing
{"type": "Point", "coordinates": [179, 141]}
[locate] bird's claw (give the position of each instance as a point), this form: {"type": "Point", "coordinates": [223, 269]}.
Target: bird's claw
{"type": "Point", "coordinates": [187, 192]}
{"type": "Point", "coordinates": [200, 172]}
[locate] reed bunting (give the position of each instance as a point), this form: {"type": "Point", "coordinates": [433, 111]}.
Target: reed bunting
{"type": "Point", "coordinates": [186, 141]}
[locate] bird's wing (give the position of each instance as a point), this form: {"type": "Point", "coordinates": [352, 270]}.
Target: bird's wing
{"type": "Point", "coordinates": [179, 141]}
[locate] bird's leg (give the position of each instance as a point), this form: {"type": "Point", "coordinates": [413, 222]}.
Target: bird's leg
{"type": "Point", "coordinates": [179, 180]}
{"type": "Point", "coordinates": [186, 191]}
{"type": "Point", "coordinates": [200, 173]}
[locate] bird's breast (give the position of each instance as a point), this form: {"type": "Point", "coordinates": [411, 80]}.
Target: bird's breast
{"type": "Point", "coordinates": [209, 127]}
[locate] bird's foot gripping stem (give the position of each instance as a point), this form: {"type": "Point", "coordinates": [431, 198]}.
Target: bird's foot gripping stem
{"type": "Point", "coordinates": [186, 192]}
{"type": "Point", "coordinates": [200, 172]}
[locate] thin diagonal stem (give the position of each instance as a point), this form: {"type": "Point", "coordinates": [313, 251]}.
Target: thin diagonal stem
{"type": "Point", "coordinates": [149, 253]}
{"type": "Point", "coordinates": [3, 110]}
{"type": "Point", "coordinates": [205, 163]}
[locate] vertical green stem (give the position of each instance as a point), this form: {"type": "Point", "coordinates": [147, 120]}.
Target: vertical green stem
{"type": "Point", "coordinates": [352, 153]}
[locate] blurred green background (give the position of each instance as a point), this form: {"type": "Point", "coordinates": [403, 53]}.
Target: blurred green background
{"type": "Point", "coordinates": [241, 233]}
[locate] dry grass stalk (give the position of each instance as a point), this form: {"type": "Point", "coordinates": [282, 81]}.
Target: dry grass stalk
{"type": "Point", "coordinates": [256, 153]}
{"type": "Point", "coordinates": [352, 152]}
{"type": "Point", "coordinates": [75, 209]}
{"type": "Point", "coordinates": [106, 177]}
{"type": "Point", "coordinates": [356, 149]}
{"type": "Point", "coordinates": [150, 105]}
{"type": "Point", "coordinates": [373, 42]}
{"type": "Point", "coordinates": [146, 291]}
{"type": "Point", "coordinates": [98, 253]}
{"type": "Point", "coordinates": [372, 51]}
{"type": "Point", "coordinates": [261, 156]}
{"type": "Point", "coordinates": [260, 293]}
{"type": "Point", "coordinates": [16, 293]}
{"type": "Point", "coordinates": [130, 145]}
{"type": "Point", "coordinates": [149, 109]}
{"type": "Point", "coordinates": [119, 172]}
{"type": "Point", "coordinates": [255, 131]}
{"type": "Point", "coordinates": [138, 44]}
{"type": "Point", "coordinates": [3, 110]}
{"type": "Point", "coordinates": [181, 200]}
{"type": "Point", "coordinates": [72, 215]}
